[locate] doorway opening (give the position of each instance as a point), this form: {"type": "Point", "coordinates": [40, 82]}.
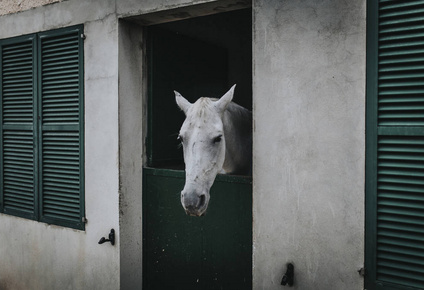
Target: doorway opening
{"type": "Point", "coordinates": [198, 57]}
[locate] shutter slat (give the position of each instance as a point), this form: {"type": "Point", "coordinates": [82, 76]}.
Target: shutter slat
{"type": "Point", "coordinates": [402, 76]}
{"type": "Point", "coordinates": [414, 246]}
{"type": "Point", "coordinates": [397, 5]}
{"type": "Point", "coordinates": [386, 13]}
{"type": "Point", "coordinates": [402, 229]}
{"type": "Point", "coordinates": [397, 37]}
{"type": "Point", "coordinates": [62, 45]}
{"type": "Point", "coordinates": [396, 43]}
{"type": "Point", "coordinates": [390, 265]}
{"type": "Point", "coordinates": [400, 99]}
{"type": "Point", "coordinates": [407, 220]}
{"type": "Point", "coordinates": [53, 70]}
{"type": "Point", "coordinates": [400, 84]}
{"type": "Point", "coordinates": [402, 235]}
{"type": "Point", "coordinates": [59, 40]}
{"type": "Point", "coordinates": [403, 21]}
{"type": "Point", "coordinates": [387, 71]}
{"type": "Point", "coordinates": [402, 172]}
{"type": "Point", "coordinates": [401, 180]}
{"type": "Point", "coordinates": [401, 29]}
{"type": "Point", "coordinates": [403, 251]}
{"type": "Point", "coordinates": [73, 73]}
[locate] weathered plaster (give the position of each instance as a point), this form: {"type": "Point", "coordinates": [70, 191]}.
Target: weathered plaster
{"type": "Point", "coordinates": [131, 135]}
{"type": "Point", "coordinates": [13, 6]}
{"type": "Point", "coordinates": [309, 114]}
{"type": "Point", "coordinates": [309, 80]}
{"type": "Point", "coordinates": [39, 256]}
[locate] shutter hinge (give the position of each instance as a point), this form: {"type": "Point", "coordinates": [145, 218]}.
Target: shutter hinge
{"type": "Point", "coordinates": [83, 36]}
{"type": "Point", "coordinates": [84, 220]}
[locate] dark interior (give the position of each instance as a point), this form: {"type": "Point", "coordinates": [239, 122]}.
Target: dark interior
{"type": "Point", "coordinates": [198, 57]}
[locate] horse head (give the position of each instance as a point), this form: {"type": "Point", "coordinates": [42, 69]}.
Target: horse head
{"type": "Point", "coordinates": [203, 141]}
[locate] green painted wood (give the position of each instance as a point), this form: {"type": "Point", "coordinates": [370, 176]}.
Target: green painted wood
{"type": "Point", "coordinates": [395, 145]}
{"type": "Point", "coordinates": [61, 112]}
{"type": "Point", "coordinates": [18, 159]}
{"type": "Point", "coordinates": [183, 252]}
{"type": "Point", "coordinates": [41, 127]}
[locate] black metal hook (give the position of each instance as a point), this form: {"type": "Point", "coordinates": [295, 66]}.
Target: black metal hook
{"type": "Point", "coordinates": [288, 278]}
{"type": "Point", "coordinates": [111, 238]}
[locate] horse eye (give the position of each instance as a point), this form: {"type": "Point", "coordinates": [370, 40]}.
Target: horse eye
{"type": "Point", "coordinates": [217, 139]}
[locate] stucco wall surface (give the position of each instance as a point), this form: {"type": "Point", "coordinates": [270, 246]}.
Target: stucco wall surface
{"type": "Point", "coordinates": [40, 256]}
{"type": "Point", "coordinates": [12, 6]}
{"type": "Point", "coordinates": [135, 7]}
{"type": "Point", "coordinates": [131, 135]}
{"type": "Point", "coordinates": [309, 116]}
{"type": "Point", "coordinates": [308, 177]}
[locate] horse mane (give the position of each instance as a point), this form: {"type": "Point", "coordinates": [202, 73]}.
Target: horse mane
{"type": "Point", "coordinates": [238, 124]}
{"type": "Point", "coordinates": [203, 106]}
{"type": "Point", "coordinates": [240, 115]}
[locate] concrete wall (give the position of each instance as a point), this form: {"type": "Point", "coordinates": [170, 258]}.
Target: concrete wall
{"type": "Point", "coordinates": [12, 6]}
{"type": "Point", "coordinates": [132, 112]}
{"type": "Point", "coordinates": [39, 256]}
{"type": "Point", "coordinates": [309, 116]}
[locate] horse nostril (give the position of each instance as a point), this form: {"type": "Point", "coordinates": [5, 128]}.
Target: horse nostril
{"type": "Point", "coordinates": [202, 200]}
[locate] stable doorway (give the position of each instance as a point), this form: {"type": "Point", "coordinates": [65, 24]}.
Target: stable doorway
{"type": "Point", "coordinates": [201, 56]}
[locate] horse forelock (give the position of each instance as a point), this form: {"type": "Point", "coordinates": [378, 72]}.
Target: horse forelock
{"type": "Point", "coordinates": [202, 108]}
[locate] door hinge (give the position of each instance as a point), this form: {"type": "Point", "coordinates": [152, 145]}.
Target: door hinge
{"type": "Point", "coordinates": [362, 272]}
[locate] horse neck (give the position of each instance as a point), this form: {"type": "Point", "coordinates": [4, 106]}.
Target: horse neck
{"type": "Point", "coordinates": [237, 123]}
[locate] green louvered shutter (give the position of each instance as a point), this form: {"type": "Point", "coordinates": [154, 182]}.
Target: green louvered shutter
{"type": "Point", "coordinates": [395, 145]}
{"type": "Point", "coordinates": [42, 115]}
{"type": "Point", "coordinates": [61, 127]}
{"type": "Point", "coordinates": [18, 158]}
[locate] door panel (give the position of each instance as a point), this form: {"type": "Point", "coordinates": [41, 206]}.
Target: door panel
{"type": "Point", "coordinates": [184, 252]}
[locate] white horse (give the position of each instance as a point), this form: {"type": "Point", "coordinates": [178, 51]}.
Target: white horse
{"type": "Point", "coordinates": [217, 138]}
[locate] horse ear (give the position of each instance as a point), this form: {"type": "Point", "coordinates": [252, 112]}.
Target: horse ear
{"type": "Point", "coordinates": [223, 102]}
{"type": "Point", "coordinates": [182, 102]}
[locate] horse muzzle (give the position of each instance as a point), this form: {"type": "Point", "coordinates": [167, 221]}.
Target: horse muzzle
{"type": "Point", "coordinates": [194, 204]}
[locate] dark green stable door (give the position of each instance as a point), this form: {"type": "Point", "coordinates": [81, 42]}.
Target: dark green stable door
{"type": "Point", "coordinates": [179, 251]}
{"type": "Point", "coordinates": [395, 145]}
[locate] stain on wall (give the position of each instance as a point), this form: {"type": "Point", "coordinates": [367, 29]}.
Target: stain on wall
{"type": "Point", "coordinates": [13, 6]}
